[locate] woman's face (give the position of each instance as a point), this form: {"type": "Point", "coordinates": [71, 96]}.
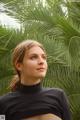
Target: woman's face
{"type": "Point", "coordinates": [34, 64]}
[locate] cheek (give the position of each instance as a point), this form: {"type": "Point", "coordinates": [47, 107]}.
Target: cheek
{"type": "Point", "coordinates": [29, 65]}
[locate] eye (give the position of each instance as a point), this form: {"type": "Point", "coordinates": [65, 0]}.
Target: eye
{"type": "Point", "coordinates": [44, 57]}
{"type": "Point", "coordinates": [33, 57]}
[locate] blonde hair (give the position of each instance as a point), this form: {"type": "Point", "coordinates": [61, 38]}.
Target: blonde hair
{"type": "Point", "coordinates": [18, 55]}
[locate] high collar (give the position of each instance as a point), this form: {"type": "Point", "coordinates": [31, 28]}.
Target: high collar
{"type": "Point", "coordinates": [29, 88]}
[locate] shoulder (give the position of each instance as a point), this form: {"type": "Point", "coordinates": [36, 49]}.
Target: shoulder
{"type": "Point", "coordinates": [7, 100]}
{"type": "Point", "coordinates": [58, 91]}
{"type": "Point", "coordinates": [8, 96]}
{"type": "Point", "coordinates": [3, 102]}
{"type": "Point", "coordinates": [61, 95]}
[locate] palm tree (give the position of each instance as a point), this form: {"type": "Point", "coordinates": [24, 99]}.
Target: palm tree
{"type": "Point", "coordinates": [8, 39]}
{"type": "Point", "coordinates": [59, 31]}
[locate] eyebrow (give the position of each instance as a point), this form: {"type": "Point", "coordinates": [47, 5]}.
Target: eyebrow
{"type": "Point", "coordinates": [33, 54]}
{"type": "Point", "coordinates": [38, 54]}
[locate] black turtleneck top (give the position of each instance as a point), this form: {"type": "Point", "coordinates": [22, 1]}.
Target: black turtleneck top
{"type": "Point", "coordinates": [28, 101]}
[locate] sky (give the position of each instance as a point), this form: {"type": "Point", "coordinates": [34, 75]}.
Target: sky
{"type": "Point", "coordinates": [11, 22]}
{"type": "Point", "coordinates": [7, 20]}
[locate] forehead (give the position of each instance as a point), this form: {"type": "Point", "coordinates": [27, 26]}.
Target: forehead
{"type": "Point", "coordinates": [35, 50]}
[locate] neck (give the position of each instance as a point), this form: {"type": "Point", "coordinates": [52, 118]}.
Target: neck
{"type": "Point", "coordinates": [29, 89]}
{"type": "Point", "coordinates": [30, 82]}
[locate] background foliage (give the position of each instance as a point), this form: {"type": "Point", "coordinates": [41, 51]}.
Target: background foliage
{"type": "Point", "coordinates": [54, 23]}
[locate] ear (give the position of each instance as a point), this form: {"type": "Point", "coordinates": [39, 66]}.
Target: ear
{"type": "Point", "coordinates": [18, 66]}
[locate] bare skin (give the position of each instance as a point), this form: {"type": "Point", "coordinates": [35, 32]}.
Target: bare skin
{"type": "Point", "coordinates": [44, 117]}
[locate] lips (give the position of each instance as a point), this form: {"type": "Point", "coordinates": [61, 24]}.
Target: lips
{"type": "Point", "coordinates": [41, 69]}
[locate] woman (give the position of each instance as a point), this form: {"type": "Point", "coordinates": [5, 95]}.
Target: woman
{"type": "Point", "coordinates": [28, 100]}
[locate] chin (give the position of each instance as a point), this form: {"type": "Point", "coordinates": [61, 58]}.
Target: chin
{"type": "Point", "coordinates": [42, 75]}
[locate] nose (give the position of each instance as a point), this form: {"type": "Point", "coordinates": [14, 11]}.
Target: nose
{"type": "Point", "coordinates": [41, 60]}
